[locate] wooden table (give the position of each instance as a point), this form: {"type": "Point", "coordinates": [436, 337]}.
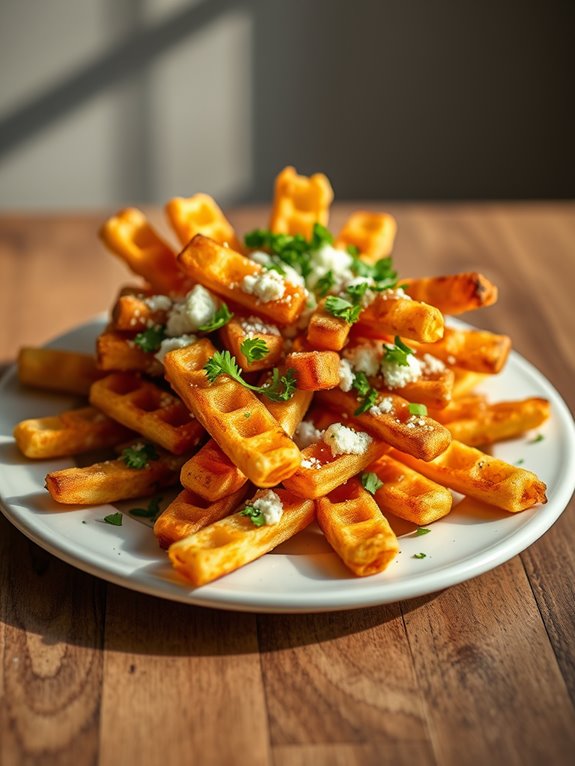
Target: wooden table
{"type": "Point", "coordinates": [481, 673]}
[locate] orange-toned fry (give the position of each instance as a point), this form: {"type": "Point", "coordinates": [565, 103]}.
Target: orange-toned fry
{"type": "Point", "coordinates": [472, 472]}
{"type": "Point", "coordinates": [239, 329]}
{"type": "Point", "coordinates": [467, 406]}
{"type": "Point", "coordinates": [234, 541]}
{"type": "Point", "coordinates": [504, 420]}
{"type": "Point", "coordinates": [135, 312]}
{"type": "Point", "coordinates": [188, 513]}
{"type": "Point", "coordinates": [117, 351]}
{"type": "Point", "coordinates": [356, 529]}
{"type": "Point", "coordinates": [391, 421]}
{"type": "Point", "coordinates": [112, 481]}
{"type": "Point", "coordinates": [372, 233]}
{"type": "Point", "coordinates": [314, 370]}
{"type": "Point", "coordinates": [299, 202]}
{"type": "Point", "coordinates": [474, 350]}
{"type": "Point", "coordinates": [200, 214]}
{"type": "Point", "coordinates": [129, 236]}
{"type": "Point", "coordinates": [69, 433]}
{"type": "Point", "coordinates": [453, 294]}
{"type": "Point", "coordinates": [408, 494]}
{"type": "Point", "coordinates": [55, 370]}
{"type": "Point", "coordinates": [387, 316]}
{"type": "Point", "coordinates": [464, 381]}
{"type": "Point", "coordinates": [147, 409]}
{"type": "Point", "coordinates": [433, 391]}
{"type": "Point", "coordinates": [233, 416]}
{"type": "Point", "coordinates": [223, 270]}
{"type": "Point", "coordinates": [326, 331]}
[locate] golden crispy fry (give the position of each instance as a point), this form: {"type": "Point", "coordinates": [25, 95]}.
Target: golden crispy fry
{"type": "Point", "coordinates": [234, 333]}
{"type": "Point", "coordinates": [314, 370]}
{"type": "Point", "coordinates": [55, 370]}
{"type": "Point", "coordinates": [474, 350]}
{"type": "Point", "coordinates": [408, 494]}
{"type": "Point", "coordinates": [418, 435]}
{"type": "Point", "coordinates": [356, 529]}
{"type": "Point", "coordinates": [136, 312]}
{"type": "Point", "coordinates": [233, 416]}
{"type": "Point", "coordinates": [467, 406]}
{"type": "Point", "coordinates": [117, 351]}
{"type": "Point", "coordinates": [326, 331]}
{"type": "Point", "coordinates": [472, 472]}
{"type": "Point", "coordinates": [387, 316]}
{"type": "Point", "coordinates": [222, 270]}
{"type": "Point", "coordinates": [69, 433]}
{"type": "Point", "coordinates": [453, 294]}
{"type": "Point", "coordinates": [299, 202]}
{"type": "Point", "coordinates": [504, 420]}
{"type": "Point", "coordinates": [372, 233]}
{"type": "Point", "coordinates": [465, 381]}
{"type": "Point", "coordinates": [200, 214]}
{"type": "Point", "coordinates": [129, 236]}
{"type": "Point", "coordinates": [234, 541]}
{"type": "Point", "coordinates": [188, 513]}
{"type": "Point", "coordinates": [147, 409]}
{"type": "Point", "coordinates": [433, 391]}
{"type": "Point", "coordinates": [112, 480]}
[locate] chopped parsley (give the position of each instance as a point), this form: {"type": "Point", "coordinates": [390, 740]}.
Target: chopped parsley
{"type": "Point", "coordinates": [356, 292]}
{"type": "Point", "coordinates": [397, 353]}
{"type": "Point", "coordinates": [254, 349]}
{"type": "Point", "coordinates": [254, 515]}
{"type": "Point", "coordinates": [371, 482]}
{"type": "Point", "coordinates": [114, 518]}
{"type": "Point", "coordinates": [294, 250]}
{"type": "Point", "coordinates": [353, 250]}
{"type": "Point", "coordinates": [417, 409]}
{"type": "Point", "coordinates": [520, 461]}
{"type": "Point", "coordinates": [247, 414]}
{"type": "Point", "coordinates": [537, 439]}
{"type": "Point", "coordinates": [324, 284]}
{"type": "Point", "coordinates": [419, 556]}
{"type": "Point", "coordinates": [220, 318]}
{"type": "Point", "coordinates": [139, 455]}
{"type": "Point", "coordinates": [342, 309]}
{"type": "Point", "coordinates": [365, 392]}
{"type": "Point", "coordinates": [151, 339]}
{"type": "Point", "coordinates": [421, 531]}
{"type": "Point", "coordinates": [279, 389]}
{"type": "Point", "coordinates": [382, 271]}
{"type": "Point", "coordinates": [152, 510]}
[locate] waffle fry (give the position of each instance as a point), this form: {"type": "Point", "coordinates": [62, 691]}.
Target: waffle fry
{"type": "Point", "coordinates": [235, 332]}
{"type": "Point", "coordinates": [188, 513]}
{"type": "Point", "coordinates": [147, 409]}
{"type": "Point", "coordinates": [314, 370]}
{"type": "Point", "coordinates": [372, 233]}
{"type": "Point", "coordinates": [69, 433]}
{"type": "Point", "coordinates": [408, 494]}
{"type": "Point", "coordinates": [117, 351]}
{"type": "Point", "coordinates": [200, 214]}
{"type": "Point", "coordinates": [325, 331]}
{"type": "Point", "coordinates": [129, 236]}
{"type": "Point", "coordinates": [472, 472]}
{"type": "Point", "coordinates": [355, 528]}
{"type": "Point", "coordinates": [465, 381]}
{"type": "Point", "coordinates": [496, 422]}
{"type": "Point", "coordinates": [54, 370]}
{"type": "Point", "coordinates": [473, 350]}
{"type": "Point", "coordinates": [398, 316]}
{"type": "Point", "coordinates": [222, 270]}
{"type": "Point", "coordinates": [135, 312]}
{"type": "Point", "coordinates": [234, 541]}
{"type": "Point", "coordinates": [299, 202]}
{"type": "Point", "coordinates": [233, 416]}
{"type": "Point", "coordinates": [453, 294]}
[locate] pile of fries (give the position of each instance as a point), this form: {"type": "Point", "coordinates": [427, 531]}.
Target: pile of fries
{"type": "Point", "coordinates": [285, 377]}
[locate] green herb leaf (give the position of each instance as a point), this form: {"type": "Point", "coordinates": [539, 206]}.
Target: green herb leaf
{"type": "Point", "coordinates": [256, 516]}
{"type": "Point", "coordinates": [381, 271]}
{"type": "Point", "coordinates": [220, 318]}
{"type": "Point", "coordinates": [247, 415]}
{"type": "Point", "coordinates": [520, 461]}
{"type": "Point", "coordinates": [356, 292]}
{"type": "Point", "coordinates": [324, 284]}
{"type": "Point", "coordinates": [151, 339]}
{"type": "Point", "coordinates": [139, 455]}
{"type": "Point", "coordinates": [342, 309]}
{"type": "Point", "coordinates": [537, 439]}
{"type": "Point", "coordinates": [152, 510]}
{"type": "Point", "coordinates": [353, 250]}
{"type": "Point", "coordinates": [371, 482]}
{"type": "Point", "coordinates": [365, 392]}
{"type": "Point", "coordinates": [222, 363]}
{"type": "Point", "coordinates": [421, 531]}
{"type": "Point", "coordinates": [419, 555]}
{"type": "Point", "coordinates": [114, 518]}
{"type": "Point", "coordinates": [254, 349]}
{"type": "Point", "coordinates": [368, 402]}
{"type": "Point", "coordinates": [397, 353]}
{"type": "Point", "coordinates": [320, 236]}
{"type": "Point", "coordinates": [279, 389]}
{"type": "Point", "coordinates": [417, 409]}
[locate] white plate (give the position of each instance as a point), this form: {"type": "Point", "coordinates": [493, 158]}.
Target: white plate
{"type": "Point", "coordinates": [302, 575]}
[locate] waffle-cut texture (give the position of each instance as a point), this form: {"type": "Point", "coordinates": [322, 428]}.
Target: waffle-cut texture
{"type": "Point", "coordinates": [200, 214]}
{"type": "Point", "coordinates": [300, 202]}
{"type": "Point", "coordinates": [372, 233]}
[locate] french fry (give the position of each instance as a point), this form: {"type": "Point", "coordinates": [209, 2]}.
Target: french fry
{"type": "Point", "coordinates": [474, 350]}
{"type": "Point", "coordinates": [188, 513]}
{"type": "Point", "coordinates": [233, 541]}
{"type": "Point", "coordinates": [117, 351]}
{"type": "Point", "coordinates": [466, 406]}
{"type": "Point", "coordinates": [136, 312]}
{"type": "Point", "coordinates": [222, 270]}
{"type": "Point", "coordinates": [504, 420]}
{"type": "Point", "coordinates": [69, 433]}
{"type": "Point", "coordinates": [465, 381]}
{"type": "Point", "coordinates": [236, 331]}
{"type": "Point", "coordinates": [299, 202]}
{"type": "Point", "coordinates": [453, 294]}
{"type": "Point", "coordinates": [325, 331]}
{"type": "Point", "coordinates": [55, 370]}
{"type": "Point", "coordinates": [314, 370]}
{"type": "Point", "coordinates": [411, 319]}
{"type": "Point", "coordinates": [356, 529]}
{"type": "Point", "coordinates": [200, 214]}
{"type": "Point", "coordinates": [472, 472]}
{"type": "Point", "coordinates": [372, 233]}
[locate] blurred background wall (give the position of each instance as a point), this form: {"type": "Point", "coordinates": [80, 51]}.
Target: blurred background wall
{"type": "Point", "coordinates": [104, 102]}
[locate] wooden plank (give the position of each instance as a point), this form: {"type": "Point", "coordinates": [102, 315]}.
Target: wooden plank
{"type": "Point", "coordinates": [181, 684]}
{"type": "Point", "coordinates": [382, 753]}
{"type": "Point", "coordinates": [51, 660]}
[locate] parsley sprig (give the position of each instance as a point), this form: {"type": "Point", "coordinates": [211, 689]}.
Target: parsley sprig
{"type": "Point", "coordinates": [150, 512]}
{"type": "Point", "coordinates": [151, 339]}
{"type": "Point", "coordinates": [417, 409]}
{"type": "Point", "coordinates": [343, 309]}
{"type": "Point", "coordinates": [324, 284]}
{"type": "Point", "coordinates": [365, 392]}
{"type": "Point", "coordinates": [254, 515]}
{"type": "Point", "coordinates": [294, 250]}
{"type": "Point", "coordinates": [114, 518]}
{"type": "Point", "coordinates": [139, 455]}
{"type": "Point", "coordinates": [382, 271]}
{"type": "Point", "coordinates": [219, 319]}
{"type": "Point", "coordinates": [397, 353]}
{"type": "Point", "coordinates": [371, 482]}
{"type": "Point", "coordinates": [254, 349]}
{"type": "Point", "coordinates": [279, 389]}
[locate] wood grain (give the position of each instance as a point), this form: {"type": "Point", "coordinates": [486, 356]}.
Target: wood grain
{"type": "Point", "coordinates": [481, 673]}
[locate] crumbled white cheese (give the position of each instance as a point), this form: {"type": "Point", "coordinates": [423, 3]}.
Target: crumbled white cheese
{"type": "Point", "coordinates": [197, 308]}
{"type": "Point", "coordinates": [432, 365]}
{"type": "Point", "coordinates": [346, 375]}
{"type": "Point", "coordinates": [398, 375]}
{"type": "Point", "coordinates": [170, 344]}
{"type": "Point", "coordinates": [345, 441]}
{"type": "Point", "coordinates": [260, 257]}
{"type": "Point", "coordinates": [254, 326]}
{"type": "Point", "coordinates": [451, 359]}
{"type": "Point", "coordinates": [270, 505]}
{"type": "Point", "coordinates": [329, 258]}
{"type": "Point", "coordinates": [306, 433]}
{"type": "Point", "coordinates": [311, 462]}
{"type": "Point", "coordinates": [383, 407]}
{"type": "Point", "coordinates": [267, 285]}
{"type": "Point", "coordinates": [364, 358]}
{"type": "Point", "coordinates": [158, 302]}
{"type": "Point", "coordinates": [396, 294]}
